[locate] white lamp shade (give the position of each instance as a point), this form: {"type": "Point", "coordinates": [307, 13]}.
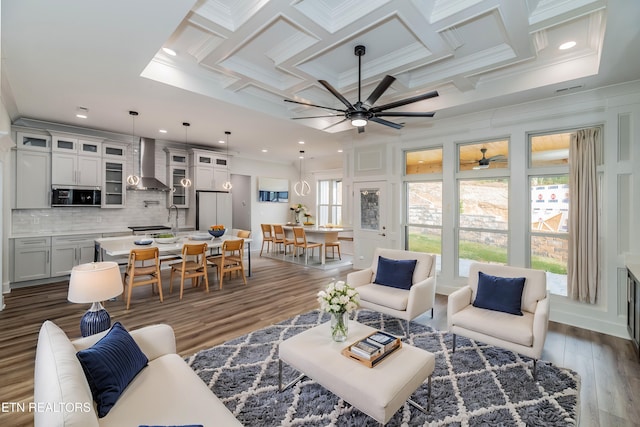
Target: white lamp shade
{"type": "Point", "coordinates": [94, 282]}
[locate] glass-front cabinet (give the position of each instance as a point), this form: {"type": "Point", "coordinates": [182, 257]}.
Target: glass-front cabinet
{"type": "Point", "coordinates": [114, 184]}
{"type": "Point", "coordinates": [178, 173]}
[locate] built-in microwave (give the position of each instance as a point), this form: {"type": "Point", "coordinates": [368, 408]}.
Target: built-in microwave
{"type": "Point", "coordinates": [75, 196]}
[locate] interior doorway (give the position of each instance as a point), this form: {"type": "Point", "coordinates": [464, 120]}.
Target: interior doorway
{"type": "Point", "coordinates": [241, 201]}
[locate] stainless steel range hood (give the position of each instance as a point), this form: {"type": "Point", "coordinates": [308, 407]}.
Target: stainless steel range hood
{"type": "Point", "coordinates": [147, 167]}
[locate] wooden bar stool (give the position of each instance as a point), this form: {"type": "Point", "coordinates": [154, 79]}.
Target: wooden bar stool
{"type": "Point", "coordinates": [267, 237]}
{"type": "Point", "coordinates": [231, 259]}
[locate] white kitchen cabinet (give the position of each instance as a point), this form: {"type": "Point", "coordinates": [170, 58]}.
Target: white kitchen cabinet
{"type": "Point", "coordinates": [114, 150]}
{"type": "Point", "coordinates": [69, 251]}
{"type": "Point", "coordinates": [31, 258]}
{"type": "Point", "coordinates": [113, 186]}
{"type": "Point", "coordinates": [33, 141]}
{"type": "Point", "coordinates": [177, 169]}
{"type": "Point", "coordinates": [209, 170]}
{"type": "Point", "coordinates": [33, 179]}
{"type": "Point", "coordinates": [76, 162]}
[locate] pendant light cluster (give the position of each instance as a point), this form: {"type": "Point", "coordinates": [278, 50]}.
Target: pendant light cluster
{"type": "Point", "coordinates": [302, 187]}
{"type": "Point", "coordinates": [133, 180]}
{"type": "Point", "coordinates": [185, 182]}
{"type": "Point", "coordinates": [227, 185]}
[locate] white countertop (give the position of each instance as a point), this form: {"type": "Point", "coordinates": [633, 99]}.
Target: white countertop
{"type": "Point", "coordinates": [50, 233]}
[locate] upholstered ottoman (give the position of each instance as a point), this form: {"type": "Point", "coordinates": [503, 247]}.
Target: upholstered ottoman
{"type": "Point", "coordinates": [379, 391]}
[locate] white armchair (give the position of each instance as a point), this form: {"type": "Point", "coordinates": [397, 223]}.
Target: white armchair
{"type": "Point", "coordinates": [400, 303]}
{"type": "Point", "coordinates": [522, 334]}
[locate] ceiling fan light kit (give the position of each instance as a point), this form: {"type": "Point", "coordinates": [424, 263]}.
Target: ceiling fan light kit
{"type": "Point", "coordinates": [360, 113]}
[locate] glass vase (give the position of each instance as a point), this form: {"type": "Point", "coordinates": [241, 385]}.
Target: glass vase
{"type": "Point", "coordinates": [339, 326]}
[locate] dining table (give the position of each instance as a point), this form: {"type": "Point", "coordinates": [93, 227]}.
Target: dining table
{"type": "Point", "coordinates": [108, 248]}
{"type": "Point", "coordinates": [318, 234]}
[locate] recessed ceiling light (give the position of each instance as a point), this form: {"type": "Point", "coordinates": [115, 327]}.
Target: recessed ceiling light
{"type": "Point", "coordinates": [82, 112]}
{"type": "Point", "coordinates": [169, 51]}
{"type": "Point", "coordinates": [340, 151]}
{"type": "Point", "coordinates": [264, 150]}
{"type": "Point", "coordinates": [220, 141]}
{"type": "Point", "coordinates": [567, 45]}
{"type": "Point", "coordinates": [420, 161]}
{"type": "Point", "coordinates": [162, 131]}
{"type": "Point", "coordinates": [300, 142]}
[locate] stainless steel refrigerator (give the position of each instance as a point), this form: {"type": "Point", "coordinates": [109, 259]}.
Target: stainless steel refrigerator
{"type": "Point", "coordinates": [212, 208]}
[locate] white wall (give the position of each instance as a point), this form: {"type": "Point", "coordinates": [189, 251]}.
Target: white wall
{"type": "Point", "coordinates": [620, 232]}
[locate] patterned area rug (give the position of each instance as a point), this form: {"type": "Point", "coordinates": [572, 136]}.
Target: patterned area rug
{"type": "Point", "coordinates": [476, 385]}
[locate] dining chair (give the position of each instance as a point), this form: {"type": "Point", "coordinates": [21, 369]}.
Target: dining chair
{"type": "Point", "coordinates": [231, 259]}
{"type": "Point", "coordinates": [267, 237]}
{"type": "Point", "coordinates": [333, 246]}
{"type": "Point", "coordinates": [300, 241]}
{"type": "Point", "coordinates": [138, 274]}
{"type": "Point", "coordinates": [193, 266]}
{"type": "Point", "coordinates": [243, 234]}
{"type": "Point", "coordinates": [280, 238]}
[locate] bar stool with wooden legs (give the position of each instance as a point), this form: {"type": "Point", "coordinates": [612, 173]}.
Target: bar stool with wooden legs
{"type": "Point", "coordinates": [230, 260]}
{"type": "Point", "coordinates": [193, 268]}
{"type": "Point", "coordinates": [267, 237]}
{"type": "Point", "coordinates": [300, 238]}
{"type": "Point", "coordinates": [147, 274]}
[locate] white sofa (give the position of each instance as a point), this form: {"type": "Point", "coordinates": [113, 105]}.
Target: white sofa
{"type": "Point", "coordinates": [395, 302]}
{"type": "Point", "coordinates": [166, 392]}
{"type": "Point", "coordinates": [522, 334]}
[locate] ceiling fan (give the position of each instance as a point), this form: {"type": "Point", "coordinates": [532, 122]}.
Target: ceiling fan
{"type": "Point", "coordinates": [361, 113]}
{"type": "Point", "coordinates": [485, 161]}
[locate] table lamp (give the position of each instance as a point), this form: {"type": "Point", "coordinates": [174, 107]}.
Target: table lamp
{"type": "Point", "coordinates": [92, 283]}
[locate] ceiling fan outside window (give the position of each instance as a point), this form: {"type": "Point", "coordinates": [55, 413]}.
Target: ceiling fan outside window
{"type": "Point", "coordinates": [361, 113]}
{"type": "Point", "coordinates": [484, 162]}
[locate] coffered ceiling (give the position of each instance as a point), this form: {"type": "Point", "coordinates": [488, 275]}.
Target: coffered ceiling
{"type": "Point", "coordinates": [237, 60]}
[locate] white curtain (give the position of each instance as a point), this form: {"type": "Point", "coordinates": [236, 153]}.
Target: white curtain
{"type": "Point", "coordinates": [582, 273]}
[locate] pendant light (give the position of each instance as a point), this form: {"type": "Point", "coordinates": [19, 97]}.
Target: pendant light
{"type": "Point", "coordinates": [133, 180]}
{"type": "Point", "coordinates": [185, 182]}
{"type": "Point", "coordinates": [302, 187]}
{"type": "Point", "coordinates": [227, 185]}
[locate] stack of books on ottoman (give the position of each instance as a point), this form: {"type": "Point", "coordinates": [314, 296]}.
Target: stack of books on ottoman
{"type": "Point", "coordinates": [373, 348]}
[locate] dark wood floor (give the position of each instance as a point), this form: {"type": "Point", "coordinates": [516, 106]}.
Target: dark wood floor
{"type": "Point", "coordinates": [608, 367]}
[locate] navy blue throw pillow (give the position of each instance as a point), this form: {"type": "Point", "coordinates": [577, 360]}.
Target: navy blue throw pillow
{"type": "Point", "coordinates": [500, 293]}
{"type": "Point", "coordinates": [110, 365]}
{"type": "Point", "coordinates": [397, 273]}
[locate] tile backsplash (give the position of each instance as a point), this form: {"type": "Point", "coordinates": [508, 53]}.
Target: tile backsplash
{"type": "Point", "coordinates": [142, 208]}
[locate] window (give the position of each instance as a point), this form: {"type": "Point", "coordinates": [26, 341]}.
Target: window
{"type": "Point", "coordinates": [330, 201]}
{"type": "Point", "coordinates": [483, 203]}
{"type": "Point", "coordinates": [423, 230]}
{"type": "Point", "coordinates": [483, 222]}
{"type": "Point", "coordinates": [549, 188]}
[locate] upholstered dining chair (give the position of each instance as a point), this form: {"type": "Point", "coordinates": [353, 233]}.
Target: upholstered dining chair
{"type": "Point", "coordinates": [231, 259]}
{"type": "Point", "coordinates": [139, 274]}
{"type": "Point", "coordinates": [193, 266]}
{"type": "Point", "coordinates": [399, 283]}
{"type": "Point", "coordinates": [300, 242]}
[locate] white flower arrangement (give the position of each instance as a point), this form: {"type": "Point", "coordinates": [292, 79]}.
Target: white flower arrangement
{"type": "Point", "coordinates": [338, 297]}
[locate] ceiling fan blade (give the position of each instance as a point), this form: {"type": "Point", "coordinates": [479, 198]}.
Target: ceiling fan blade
{"type": "Point", "coordinates": [379, 90]}
{"type": "Point", "coordinates": [498, 158]}
{"type": "Point", "coordinates": [316, 117]}
{"type": "Point", "coordinates": [360, 129]}
{"type": "Point", "coordinates": [406, 114]}
{"type": "Point", "coordinates": [405, 101]}
{"type": "Point", "coordinates": [336, 93]}
{"type": "Point", "coordinates": [313, 105]}
{"type": "Point", "coordinates": [386, 122]}
{"type": "Point", "coordinates": [335, 124]}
